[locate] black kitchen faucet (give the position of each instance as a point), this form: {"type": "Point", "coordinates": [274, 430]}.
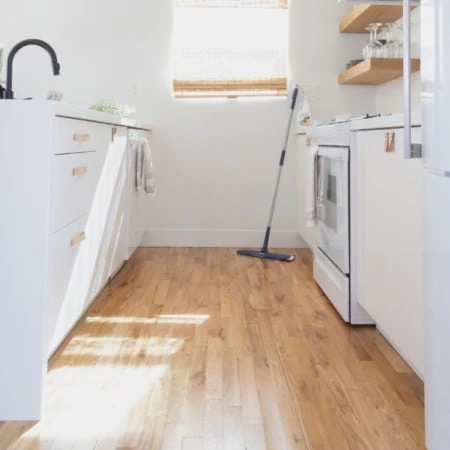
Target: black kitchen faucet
{"type": "Point", "coordinates": [9, 92]}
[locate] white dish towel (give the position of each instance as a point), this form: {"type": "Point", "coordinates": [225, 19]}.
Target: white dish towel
{"type": "Point", "coordinates": [312, 187]}
{"type": "Point", "coordinates": [145, 180]}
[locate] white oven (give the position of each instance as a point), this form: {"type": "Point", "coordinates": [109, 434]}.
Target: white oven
{"type": "Point", "coordinates": [334, 252]}
{"type": "Point", "coordinates": [333, 206]}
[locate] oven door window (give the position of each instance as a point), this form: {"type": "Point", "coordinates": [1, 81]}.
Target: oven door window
{"type": "Point", "coordinates": [328, 212]}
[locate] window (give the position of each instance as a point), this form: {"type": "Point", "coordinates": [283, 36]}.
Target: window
{"type": "Point", "coordinates": [230, 48]}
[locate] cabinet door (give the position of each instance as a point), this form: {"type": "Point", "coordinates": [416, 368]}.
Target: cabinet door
{"type": "Point", "coordinates": [67, 283]}
{"type": "Point", "coordinates": [108, 215]}
{"type": "Point", "coordinates": [389, 241]}
{"type": "Point", "coordinates": [117, 223]}
{"type": "Point", "coordinates": [308, 234]}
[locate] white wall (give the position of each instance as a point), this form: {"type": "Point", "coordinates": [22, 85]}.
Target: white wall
{"type": "Point", "coordinates": [215, 160]}
{"type": "Point", "coordinates": [389, 96]}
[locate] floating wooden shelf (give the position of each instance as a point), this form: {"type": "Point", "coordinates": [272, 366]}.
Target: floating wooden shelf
{"type": "Point", "coordinates": [362, 15]}
{"type": "Point", "coordinates": [376, 71]}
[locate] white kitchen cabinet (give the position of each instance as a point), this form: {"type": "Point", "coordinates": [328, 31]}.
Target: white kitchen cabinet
{"type": "Point", "coordinates": [62, 311]}
{"type": "Point", "coordinates": [102, 247]}
{"type": "Point", "coordinates": [307, 234]}
{"type": "Point", "coordinates": [389, 240]}
{"type": "Point", "coordinates": [112, 191]}
{"type": "Point", "coordinates": [63, 233]}
{"type": "Point", "coordinates": [117, 222]}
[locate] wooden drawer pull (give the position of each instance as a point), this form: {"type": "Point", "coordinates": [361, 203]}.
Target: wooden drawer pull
{"type": "Point", "coordinates": [389, 142]}
{"type": "Point", "coordinates": [392, 143]}
{"type": "Point", "coordinates": [78, 171]}
{"type": "Point", "coordinates": [81, 137]}
{"type": "Point", "coordinates": [80, 237]}
{"type": "Point", "coordinates": [386, 142]}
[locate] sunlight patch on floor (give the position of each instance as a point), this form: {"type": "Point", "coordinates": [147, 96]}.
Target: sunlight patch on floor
{"type": "Point", "coordinates": [107, 346]}
{"type": "Point", "coordinates": [188, 319]}
{"type": "Point", "coordinates": [195, 319]}
{"type": "Point", "coordinates": [87, 402]}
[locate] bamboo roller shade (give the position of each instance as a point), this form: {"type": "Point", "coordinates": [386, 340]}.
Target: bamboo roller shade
{"type": "Point", "coordinates": [226, 88]}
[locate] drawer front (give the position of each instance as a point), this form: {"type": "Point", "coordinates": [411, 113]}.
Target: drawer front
{"type": "Point", "coordinates": [334, 284]}
{"type": "Point", "coordinates": [74, 178]}
{"type": "Point", "coordinates": [75, 136]}
{"type": "Point", "coordinates": [61, 312]}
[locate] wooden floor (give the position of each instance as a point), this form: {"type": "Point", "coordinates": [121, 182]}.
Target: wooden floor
{"type": "Point", "coordinates": [199, 349]}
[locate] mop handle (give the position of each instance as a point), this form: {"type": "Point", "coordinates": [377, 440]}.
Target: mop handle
{"type": "Point", "coordinates": [293, 103]}
{"type": "Point", "coordinates": [283, 155]}
{"type": "Point", "coordinates": [294, 97]}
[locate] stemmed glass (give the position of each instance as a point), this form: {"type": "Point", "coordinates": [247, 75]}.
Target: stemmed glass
{"type": "Point", "coordinates": [1, 67]}
{"type": "Point", "coordinates": [400, 49]}
{"type": "Point", "coordinates": [1, 58]}
{"type": "Point", "coordinates": [392, 48]}
{"type": "Point", "coordinates": [374, 47]}
{"type": "Point", "coordinates": [415, 44]}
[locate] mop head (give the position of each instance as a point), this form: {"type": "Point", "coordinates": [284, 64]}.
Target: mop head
{"type": "Point", "coordinates": [266, 255]}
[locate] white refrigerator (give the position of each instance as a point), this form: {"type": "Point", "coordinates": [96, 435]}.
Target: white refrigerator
{"type": "Point", "coordinates": [435, 73]}
{"type": "Point", "coordinates": [436, 179]}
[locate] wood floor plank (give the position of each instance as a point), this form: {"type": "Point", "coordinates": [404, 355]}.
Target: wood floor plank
{"type": "Point", "coordinates": [192, 444]}
{"type": "Point", "coordinates": [214, 366]}
{"type": "Point", "coordinates": [233, 428]}
{"type": "Point", "coordinates": [272, 421]}
{"type": "Point", "coordinates": [172, 438]}
{"type": "Point", "coordinates": [254, 437]}
{"type": "Point", "coordinates": [291, 419]}
{"type": "Point", "coordinates": [176, 407]}
{"type": "Point", "coordinates": [195, 403]}
{"type": "Point", "coordinates": [231, 389]}
{"type": "Point", "coordinates": [197, 348]}
{"type": "Point", "coordinates": [225, 293]}
{"type": "Point", "coordinates": [213, 435]}
{"type": "Point", "coordinates": [251, 410]}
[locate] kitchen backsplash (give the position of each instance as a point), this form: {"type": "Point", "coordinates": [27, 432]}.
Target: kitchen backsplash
{"type": "Point", "coordinates": [389, 96]}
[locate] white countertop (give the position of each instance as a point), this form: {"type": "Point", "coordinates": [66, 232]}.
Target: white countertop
{"type": "Point", "coordinates": [383, 122]}
{"type": "Point", "coordinates": [61, 109]}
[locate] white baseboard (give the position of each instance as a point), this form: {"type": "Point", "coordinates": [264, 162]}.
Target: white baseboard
{"type": "Point", "coordinates": [221, 238]}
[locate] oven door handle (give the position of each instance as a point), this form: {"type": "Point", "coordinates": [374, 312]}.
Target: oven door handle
{"type": "Point", "coordinates": [319, 188]}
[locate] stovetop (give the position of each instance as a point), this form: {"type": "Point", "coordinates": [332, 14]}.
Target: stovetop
{"type": "Point", "coordinates": [336, 132]}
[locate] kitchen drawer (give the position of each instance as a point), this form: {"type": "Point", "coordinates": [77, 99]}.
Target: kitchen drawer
{"type": "Point", "coordinates": [74, 178]}
{"type": "Point", "coordinates": [62, 311]}
{"type": "Point", "coordinates": [333, 282]}
{"type": "Point", "coordinates": [75, 136]}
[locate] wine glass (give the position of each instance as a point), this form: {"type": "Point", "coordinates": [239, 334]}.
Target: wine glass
{"type": "Point", "coordinates": [374, 47]}
{"type": "Point", "coordinates": [400, 49]}
{"type": "Point", "coordinates": [391, 49]}
{"type": "Point", "coordinates": [415, 44]}
{"type": "Point", "coordinates": [1, 59]}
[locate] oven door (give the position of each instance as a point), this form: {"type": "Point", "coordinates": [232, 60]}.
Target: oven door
{"type": "Point", "coordinates": [333, 205]}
